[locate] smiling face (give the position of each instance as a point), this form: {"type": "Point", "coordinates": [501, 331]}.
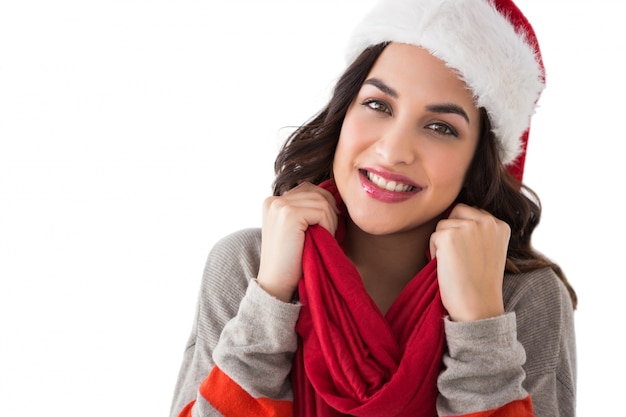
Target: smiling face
{"type": "Point", "coordinates": [406, 142]}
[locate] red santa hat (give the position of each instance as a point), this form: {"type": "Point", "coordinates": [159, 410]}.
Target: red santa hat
{"type": "Point", "coordinates": [491, 45]}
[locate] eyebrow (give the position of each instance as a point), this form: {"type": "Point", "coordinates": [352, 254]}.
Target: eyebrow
{"type": "Point", "coordinates": [381, 86]}
{"type": "Point", "coordinates": [448, 108]}
{"type": "Point", "coordinates": [435, 108]}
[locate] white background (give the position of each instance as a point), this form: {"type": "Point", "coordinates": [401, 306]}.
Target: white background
{"type": "Point", "coordinates": [135, 133]}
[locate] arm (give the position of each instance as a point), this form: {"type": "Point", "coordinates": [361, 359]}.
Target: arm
{"type": "Point", "coordinates": [519, 364]}
{"type": "Point", "coordinates": [483, 370]}
{"type": "Point", "coordinates": [483, 365]}
{"type": "Point", "coordinates": [545, 327]}
{"type": "Point", "coordinates": [252, 356]}
{"type": "Point", "coordinates": [238, 330]}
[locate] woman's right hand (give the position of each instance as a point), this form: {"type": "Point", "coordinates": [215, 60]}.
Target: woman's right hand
{"type": "Point", "coordinates": [285, 219]}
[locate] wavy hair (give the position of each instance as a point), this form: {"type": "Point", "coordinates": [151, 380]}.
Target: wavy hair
{"type": "Point", "coordinates": [307, 156]}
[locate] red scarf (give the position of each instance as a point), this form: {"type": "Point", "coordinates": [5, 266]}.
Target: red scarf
{"type": "Point", "coordinates": [352, 360]}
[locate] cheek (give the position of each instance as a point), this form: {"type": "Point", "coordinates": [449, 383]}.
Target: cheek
{"type": "Point", "coordinates": [450, 169]}
{"type": "Point", "coordinates": [353, 139]}
{"type": "Point", "coordinates": [357, 120]}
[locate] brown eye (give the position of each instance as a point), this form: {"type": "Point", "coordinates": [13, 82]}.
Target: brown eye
{"type": "Point", "coordinates": [442, 129]}
{"type": "Point", "coordinates": [378, 106]}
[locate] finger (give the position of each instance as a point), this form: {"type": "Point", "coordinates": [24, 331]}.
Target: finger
{"type": "Point", "coordinates": [301, 199]}
{"type": "Point", "coordinates": [331, 200]}
{"type": "Point", "coordinates": [432, 246]}
{"type": "Point", "coordinates": [447, 224]}
{"type": "Point", "coordinates": [463, 211]}
{"type": "Point", "coordinates": [302, 212]}
{"type": "Point", "coordinates": [439, 240]}
{"type": "Point", "coordinates": [307, 187]}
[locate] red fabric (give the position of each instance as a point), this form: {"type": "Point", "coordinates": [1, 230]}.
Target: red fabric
{"type": "Point", "coordinates": [186, 412]}
{"type": "Point", "coordinates": [509, 10]}
{"type": "Point", "coordinates": [351, 359]}
{"type": "Point", "coordinates": [230, 399]}
{"type": "Point", "coordinates": [516, 168]}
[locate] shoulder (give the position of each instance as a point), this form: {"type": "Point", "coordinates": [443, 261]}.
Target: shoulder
{"type": "Point", "coordinates": [230, 266]}
{"type": "Point", "coordinates": [240, 250]}
{"type": "Point", "coordinates": [533, 285]}
{"type": "Point", "coordinates": [545, 324]}
{"type": "Point", "coordinates": [538, 297]}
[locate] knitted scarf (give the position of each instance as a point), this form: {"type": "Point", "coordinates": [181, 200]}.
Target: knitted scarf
{"type": "Point", "coordinates": [352, 360]}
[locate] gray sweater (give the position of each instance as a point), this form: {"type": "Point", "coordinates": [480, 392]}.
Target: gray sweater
{"type": "Point", "coordinates": [251, 336]}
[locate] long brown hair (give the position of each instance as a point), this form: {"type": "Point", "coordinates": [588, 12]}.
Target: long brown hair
{"type": "Point", "coordinates": [491, 187]}
{"type": "Point", "coordinates": [307, 156]}
{"type": "Point", "coordinates": [308, 153]}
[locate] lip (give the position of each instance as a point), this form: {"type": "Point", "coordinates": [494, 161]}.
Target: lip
{"type": "Point", "coordinates": [383, 195]}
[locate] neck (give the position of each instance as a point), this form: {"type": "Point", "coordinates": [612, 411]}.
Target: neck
{"type": "Point", "coordinates": [387, 263]}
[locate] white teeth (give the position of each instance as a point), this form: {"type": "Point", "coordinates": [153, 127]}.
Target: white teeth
{"type": "Point", "coordinates": [388, 185]}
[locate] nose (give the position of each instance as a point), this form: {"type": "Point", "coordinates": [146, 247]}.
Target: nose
{"type": "Point", "coordinates": [396, 145]}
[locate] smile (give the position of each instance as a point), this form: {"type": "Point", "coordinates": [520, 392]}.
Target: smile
{"type": "Point", "coordinates": [394, 186]}
{"type": "Point", "coordinates": [392, 189]}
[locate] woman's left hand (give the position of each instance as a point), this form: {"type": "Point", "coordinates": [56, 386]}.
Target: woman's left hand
{"type": "Point", "coordinates": [471, 247]}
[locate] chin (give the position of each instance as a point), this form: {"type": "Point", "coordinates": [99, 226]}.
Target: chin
{"type": "Point", "coordinates": [378, 226]}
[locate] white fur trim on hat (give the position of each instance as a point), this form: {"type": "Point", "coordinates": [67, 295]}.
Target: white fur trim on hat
{"type": "Point", "coordinates": [495, 59]}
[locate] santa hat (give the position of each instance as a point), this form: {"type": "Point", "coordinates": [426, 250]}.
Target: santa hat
{"type": "Point", "coordinates": [491, 45]}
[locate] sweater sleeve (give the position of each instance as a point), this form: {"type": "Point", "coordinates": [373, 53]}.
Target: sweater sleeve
{"type": "Point", "coordinates": [239, 353]}
{"type": "Point", "coordinates": [545, 327]}
{"type": "Point", "coordinates": [483, 369]}
{"type": "Point", "coordinates": [520, 364]}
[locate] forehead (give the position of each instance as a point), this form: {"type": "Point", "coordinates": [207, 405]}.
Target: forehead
{"type": "Point", "coordinates": [410, 69]}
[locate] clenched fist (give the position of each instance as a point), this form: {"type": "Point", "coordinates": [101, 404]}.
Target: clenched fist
{"type": "Point", "coordinates": [285, 219]}
{"type": "Point", "coordinates": [471, 247]}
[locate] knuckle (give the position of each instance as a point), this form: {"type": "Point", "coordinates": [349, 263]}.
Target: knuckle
{"type": "Point", "coordinates": [276, 205]}
{"type": "Point", "coordinates": [268, 202]}
{"type": "Point", "coordinates": [305, 185]}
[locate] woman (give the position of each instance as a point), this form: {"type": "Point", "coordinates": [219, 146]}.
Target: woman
{"type": "Point", "coordinates": [393, 274]}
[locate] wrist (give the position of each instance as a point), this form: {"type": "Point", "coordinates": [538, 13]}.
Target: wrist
{"type": "Point", "coordinates": [277, 291]}
{"type": "Point", "coordinates": [475, 315]}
